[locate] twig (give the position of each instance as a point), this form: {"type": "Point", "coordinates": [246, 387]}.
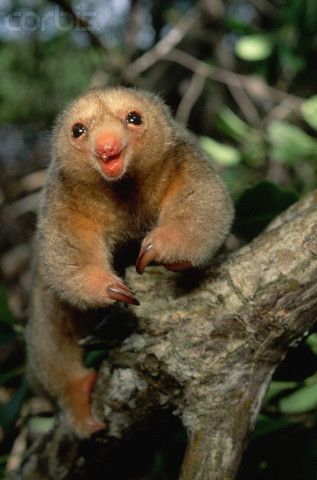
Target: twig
{"type": "Point", "coordinates": [161, 48]}
{"type": "Point", "coordinates": [31, 182]}
{"type": "Point", "coordinates": [246, 106]}
{"type": "Point", "coordinates": [255, 86]}
{"type": "Point", "coordinates": [81, 22]}
{"type": "Point", "coordinates": [17, 452]}
{"type": "Point", "coordinates": [22, 206]}
{"type": "Point", "coordinates": [279, 112]}
{"type": "Point", "coordinates": [190, 97]}
{"type": "Point", "coordinates": [15, 261]}
{"type": "Point", "coordinates": [134, 22]}
{"type": "Point", "coordinates": [265, 7]}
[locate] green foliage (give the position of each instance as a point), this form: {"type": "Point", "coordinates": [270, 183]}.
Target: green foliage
{"type": "Point", "coordinates": [289, 144]}
{"type": "Point", "coordinates": [94, 358]}
{"type": "Point", "coordinates": [232, 125]}
{"type": "Point", "coordinates": [267, 425]}
{"type": "Point", "coordinates": [254, 47]}
{"type": "Point", "coordinates": [312, 343]}
{"type": "Point", "coordinates": [303, 400]}
{"type": "Point", "coordinates": [38, 78]}
{"type": "Point", "coordinates": [276, 388]}
{"type": "Point", "coordinates": [220, 153]}
{"type": "Point", "coordinates": [258, 205]}
{"type": "Point", "coordinates": [40, 424]}
{"type": "Point", "coordinates": [309, 111]}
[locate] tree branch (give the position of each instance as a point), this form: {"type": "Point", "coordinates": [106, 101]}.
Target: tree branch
{"type": "Point", "coordinates": [165, 45]}
{"type": "Point", "coordinates": [190, 97]}
{"type": "Point", "coordinates": [81, 22]}
{"type": "Point", "coordinates": [254, 86]}
{"type": "Point", "coordinates": [205, 345]}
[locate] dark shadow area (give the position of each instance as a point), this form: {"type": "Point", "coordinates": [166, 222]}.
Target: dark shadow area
{"type": "Point", "coordinates": [108, 329]}
{"type": "Point", "coordinates": [189, 280]}
{"type": "Point", "coordinates": [299, 363]}
{"type": "Point", "coordinates": [288, 454]}
{"type": "Point", "coordinates": [153, 452]}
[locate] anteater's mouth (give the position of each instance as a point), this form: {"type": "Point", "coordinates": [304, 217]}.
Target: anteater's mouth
{"type": "Point", "coordinates": [113, 165]}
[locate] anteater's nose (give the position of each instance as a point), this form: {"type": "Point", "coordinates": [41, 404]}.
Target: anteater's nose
{"type": "Point", "coordinates": [108, 145]}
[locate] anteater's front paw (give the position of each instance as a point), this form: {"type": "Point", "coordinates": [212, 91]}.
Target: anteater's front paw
{"type": "Point", "coordinates": [120, 292]}
{"type": "Point", "coordinates": [165, 246]}
{"type": "Point", "coordinates": [99, 288]}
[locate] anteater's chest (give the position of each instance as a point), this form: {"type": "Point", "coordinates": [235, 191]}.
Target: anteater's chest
{"type": "Point", "coordinates": [131, 210]}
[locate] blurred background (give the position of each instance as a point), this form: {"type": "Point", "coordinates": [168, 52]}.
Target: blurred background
{"type": "Point", "coordinates": [242, 75]}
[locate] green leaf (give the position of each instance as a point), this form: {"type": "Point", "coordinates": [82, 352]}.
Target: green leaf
{"type": "Point", "coordinates": [4, 459]}
{"type": "Point", "coordinates": [222, 154]}
{"type": "Point", "coordinates": [311, 380]}
{"type": "Point", "coordinates": [311, 341]}
{"type": "Point", "coordinates": [254, 47]}
{"type": "Point", "coordinates": [291, 62]}
{"type": "Point", "coordinates": [254, 149]}
{"type": "Point", "coordinates": [266, 425]}
{"type": "Point", "coordinates": [258, 205]}
{"type": "Point", "coordinates": [303, 400]}
{"type": "Point", "coordinates": [277, 387]}
{"type": "Point", "coordinates": [9, 411]}
{"type": "Point", "coordinates": [41, 424]}
{"type": "Point", "coordinates": [232, 125]}
{"type": "Point", "coordinates": [309, 111]}
{"type": "Point", "coordinates": [94, 358]}
{"type": "Point", "coordinates": [290, 144]}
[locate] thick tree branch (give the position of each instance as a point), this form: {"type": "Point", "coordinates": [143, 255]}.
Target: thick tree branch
{"type": "Point", "coordinates": [205, 345]}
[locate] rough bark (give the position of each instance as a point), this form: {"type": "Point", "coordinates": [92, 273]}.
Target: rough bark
{"type": "Point", "coordinates": [205, 345]}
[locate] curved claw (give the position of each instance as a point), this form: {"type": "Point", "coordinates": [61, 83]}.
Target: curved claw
{"type": "Point", "coordinates": [177, 267]}
{"type": "Point", "coordinates": [147, 255]}
{"type": "Point", "coordinates": [122, 286]}
{"type": "Point", "coordinates": [121, 293]}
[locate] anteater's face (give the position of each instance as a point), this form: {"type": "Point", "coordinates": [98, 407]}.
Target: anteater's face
{"type": "Point", "coordinates": [114, 132]}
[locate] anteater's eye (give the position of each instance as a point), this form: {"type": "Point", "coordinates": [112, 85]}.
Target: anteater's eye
{"type": "Point", "coordinates": [134, 118]}
{"type": "Point", "coordinates": [78, 129]}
